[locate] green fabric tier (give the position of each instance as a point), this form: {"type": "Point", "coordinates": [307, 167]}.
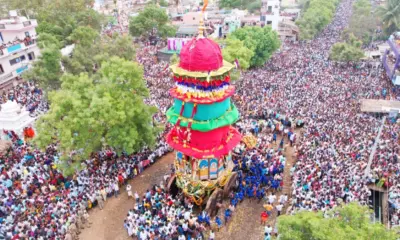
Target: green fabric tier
{"type": "Point", "coordinates": [228, 118]}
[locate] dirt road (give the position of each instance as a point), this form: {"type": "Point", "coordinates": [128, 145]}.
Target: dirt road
{"type": "Point", "coordinates": [245, 224]}
{"type": "Point", "coordinates": [108, 224]}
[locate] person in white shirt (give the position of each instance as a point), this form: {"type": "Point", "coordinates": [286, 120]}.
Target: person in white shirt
{"type": "Point", "coordinates": [268, 229]}
{"type": "Point", "coordinates": [129, 190]}
{"type": "Point", "coordinates": [271, 198]}
{"type": "Point", "coordinates": [181, 237]}
{"type": "Point", "coordinates": [279, 209]}
{"type": "Point", "coordinates": [212, 235]}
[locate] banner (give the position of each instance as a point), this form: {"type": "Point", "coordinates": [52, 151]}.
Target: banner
{"type": "Point", "coordinates": [213, 168]}
{"type": "Point", "coordinates": [203, 165]}
{"type": "Point", "coordinates": [176, 44]}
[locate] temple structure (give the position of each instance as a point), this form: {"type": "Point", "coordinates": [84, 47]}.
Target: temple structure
{"type": "Point", "coordinates": [14, 118]}
{"type": "Point", "coordinates": [202, 115]}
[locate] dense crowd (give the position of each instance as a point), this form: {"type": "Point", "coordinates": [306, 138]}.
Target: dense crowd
{"type": "Point", "coordinates": [299, 86]}
{"type": "Point", "coordinates": [302, 84]}
{"type": "Point", "coordinates": [29, 95]}
{"type": "Point", "coordinates": [37, 201]}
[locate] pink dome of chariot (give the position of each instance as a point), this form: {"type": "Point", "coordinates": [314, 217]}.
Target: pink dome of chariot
{"type": "Point", "coordinates": [201, 55]}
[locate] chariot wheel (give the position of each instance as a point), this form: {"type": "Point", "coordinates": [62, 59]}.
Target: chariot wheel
{"type": "Point", "coordinates": [214, 203]}
{"type": "Point", "coordinates": [231, 184]}
{"type": "Point", "coordinates": [171, 186]}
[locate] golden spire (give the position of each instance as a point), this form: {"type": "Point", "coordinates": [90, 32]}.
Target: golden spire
{"type": "Point", "coordinates": [201, 23]}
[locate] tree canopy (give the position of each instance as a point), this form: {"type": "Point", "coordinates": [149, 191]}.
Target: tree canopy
{"type": "Point", "coordinates": [46, 71]}
{"type": "Point", "coordinates": [152, 17]}
{"type": "Point", "coordinates": [347, 51]}
{"type": "Point", "coordinates": [263, 41]}
{"type": "Point", "coordinates": [390, 16]}
{"type": "Point", "coordinates": [362, 23]}
{"type": "Point", "coordinates": [91, 50]}
{"type": "Point", "coordinates": [250, 5]}
{"type": "Point", "coordinates": [174, 59]}
{"type": "Point", "coordinates": [105, 109]}
{"type": "Point", "coordinates": [315, 16]}
{"type": "Point", "coordinates": [235, 49]}
{"type": "Point", "coordinates": [350, 221]}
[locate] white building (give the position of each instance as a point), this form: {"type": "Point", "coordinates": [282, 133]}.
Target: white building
{"type": "Point", "coordinates": [18, 47]}
{"type": "Point", "coordinates": [15, 118]}
{"type": "Point", "coordinates": [270, 13]}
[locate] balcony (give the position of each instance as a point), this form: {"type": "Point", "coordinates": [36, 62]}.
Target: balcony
{"type": "Point", "coordinates": [17, 46]}
{"type": "Point", "coordinates": [5, 78]}
{"type": "Point", "coordinates": [18, 25]}
{"type": "Point", "coordinates": [395, 46]}
{"type": "Point", "coordinates": [22, 69]}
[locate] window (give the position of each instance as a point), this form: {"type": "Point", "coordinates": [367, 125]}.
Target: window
{"type": "Point", "coordinates": [27, 34]}
{"type": "Point", "coordinates": [1, 69]}
{"type": "Point", "coordinates": [269, 8]}
{"type": "Point", "coordinates": [31, 56]}
{"type": "Point", "coordinates": [17, 60]}
{"type": "Point", "coordinates": [1, 38]}
{"type": "Point", "coordinates": [14, 61]}
{"type": "Point", "coordinates": [269, 22]}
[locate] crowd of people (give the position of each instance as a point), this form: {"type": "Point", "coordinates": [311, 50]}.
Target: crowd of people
{"type": "Point", "coordinates": [299, 86]}
{"type": "Point", "coordinates": [29, 95]}
{"type": "Point", "coordinates": [37, 201]}
{"type": "Point", "coordinates": [28, 40]}
{"type": "Point", "coordinates": [301, 83]}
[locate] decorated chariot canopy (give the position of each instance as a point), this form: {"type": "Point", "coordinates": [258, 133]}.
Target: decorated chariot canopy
{"type": "Point", "coordinates": [202, 115]}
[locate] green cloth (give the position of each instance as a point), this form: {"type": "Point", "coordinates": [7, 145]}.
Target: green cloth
{"type": "Point", "coordinates": [229, 117]}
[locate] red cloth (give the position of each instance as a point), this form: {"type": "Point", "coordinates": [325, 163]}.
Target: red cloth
{"type": "Point", "coordinates": [202, 55]}
{"type": "Point", "coordinates": [206, 146]}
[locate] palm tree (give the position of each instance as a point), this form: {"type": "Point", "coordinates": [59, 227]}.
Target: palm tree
{"type": "Point", "coordinates": [390, 16]}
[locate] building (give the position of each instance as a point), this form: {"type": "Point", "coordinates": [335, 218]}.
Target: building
{"type": "Point", "coordinates": [14, 118]}
{"type": "Point", "coordinates": [18, 47]}
{"type": "Point", "coordinates": [391, 58]}
{"type": "Point", "coordinates": [287, 30]}
{"type": "Point", "coordinates": [270, 13]}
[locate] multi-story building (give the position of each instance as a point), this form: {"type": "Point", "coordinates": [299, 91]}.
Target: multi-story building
{"type": "Point", "coordinates": [270, 13]}
{"type": "Point", "coordinates": [18, 47]}
{"type": "Point", "coordinates": [391, 58]}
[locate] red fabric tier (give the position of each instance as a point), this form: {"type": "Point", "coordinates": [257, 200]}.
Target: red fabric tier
{"type": "Point", "coordinates": [201, 55]}
{"type": "Point", "coordinates": [215, 143]}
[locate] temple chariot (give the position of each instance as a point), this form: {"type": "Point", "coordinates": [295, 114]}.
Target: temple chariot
{"type": "Point", "coordinates": [202, 116]}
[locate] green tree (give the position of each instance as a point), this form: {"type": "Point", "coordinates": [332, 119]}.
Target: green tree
{"type": "Point", "coordinates": [262, 41]}
{"type": "Point", "coordinates": [46, 71]}
{"type": "Point", "coordinates": [347, 51]}
{"type": "Point", "coordinates": [174, 59]}
{"type": "Point", "coordinates": [350, 221]}
{"type": "Point", "coordinates": [315, 17]}
{"type": "Point", "coordinates": [90, 112]}
{"type": "Point", "coordinates": [91, 50]}
{"type": "Point", "coordinates": [253, 6]}
{"type": "Point", "coordinates": [390, 16]}
{"type": "Point", "coordinates": [46, 40]}
{"type": "Point", "coordinates": [235, 49]}
{"type": "Point", "coordinates": [152, 17]}
{"type": "Point", "coordinates": [362, 22]}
